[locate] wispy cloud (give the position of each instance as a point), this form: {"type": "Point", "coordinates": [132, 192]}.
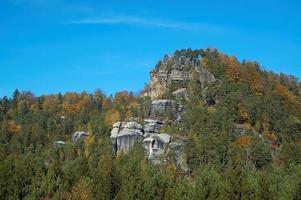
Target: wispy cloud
{"type": "Point", "coordinates": [151, 22]}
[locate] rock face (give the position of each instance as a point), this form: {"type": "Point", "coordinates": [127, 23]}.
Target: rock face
{"type": "Point", "coordinates": [124, 135]}
{"type": "Point", "coordinates": [156, 145]}
{"type": "Point", "coordinates": [177, 147]}
{"type": "Point", "coordinates": [176, 71]}
{"type": "Point", "coordinates": [162, 105]}
{"type": "Point", "coordinates": [79, 136]}
{"type": "Point", "coordinates": [179, 113]}
{"type": "Point", "coordinates": [151, 127]}
{"type": "Point", "coordinates": [180, 93]}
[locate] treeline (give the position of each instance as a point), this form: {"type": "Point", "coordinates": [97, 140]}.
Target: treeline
{"type": "Point", "coordinates": [242, 133]}
{"type": "Point", "coordinates": [33, 166]}
{"type": "Point", "coordinates": [41, 174]}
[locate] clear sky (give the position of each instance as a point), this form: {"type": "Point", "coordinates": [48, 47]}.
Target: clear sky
{"type": "Point", "coordinates": [51, 46]}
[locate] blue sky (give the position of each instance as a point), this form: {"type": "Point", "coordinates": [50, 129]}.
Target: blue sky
{"type": "Point", "coordinates": [51, 46]}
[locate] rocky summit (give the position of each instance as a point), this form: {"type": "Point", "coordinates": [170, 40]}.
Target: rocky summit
{"type": "Point", "coordinates": [174, 72]}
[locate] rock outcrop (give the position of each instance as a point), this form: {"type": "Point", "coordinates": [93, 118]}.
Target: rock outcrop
{"type": "Point", "coordinates": [177, 147]}
{"type": "Point", "coordinates": [156, 146]}
{"type": "Point", "coordinates": [180, 93]}
{"type": "Point", "coordinates": [124, 135]}
{"type": "Point", "coordinates": [59, 144]}
{"type": "Point", "coordinates": [152, 127]}
{"type": "Point", "coordinates": [161, 106]}
{"type": "Point", "coordinates": [175, 72]}
{"type": "Point", "coordinates": [79, 136]}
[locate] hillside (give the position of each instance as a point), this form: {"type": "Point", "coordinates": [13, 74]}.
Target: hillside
{"type": "Point", "coordinates": [206, 126]}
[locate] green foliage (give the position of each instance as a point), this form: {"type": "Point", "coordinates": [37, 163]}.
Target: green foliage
{"type": "Point", "coordinates": [209, 185]}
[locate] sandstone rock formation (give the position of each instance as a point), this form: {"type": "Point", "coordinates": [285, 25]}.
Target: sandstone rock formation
{"type": "Point", "coordinates": [156, 145]}
{"type": "Point", "coordinates": [177, 147]}
{"type": "Point", "coordinates": [151, 127]}
{"type": "Point", "coordinates": [124, 135]}
{"type": "Point", "coordinates": [160, 106]}
{"type": "Point", "coordinates": [175, 72]}
{"type": "Point", "coordinates": [180, 93]}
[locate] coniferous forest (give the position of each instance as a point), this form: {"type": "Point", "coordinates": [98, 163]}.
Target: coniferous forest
{"type": "Point", "coordinates": [242, 136]}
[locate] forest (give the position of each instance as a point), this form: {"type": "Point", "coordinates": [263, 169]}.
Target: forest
{"type": "Point", "coordinates": [242, 140]}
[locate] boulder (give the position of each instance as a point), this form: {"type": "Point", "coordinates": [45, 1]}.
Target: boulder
{"type": "Point", "coordinates": [59, 144]}
{"type": "Point", "coordinates": [79, 136]}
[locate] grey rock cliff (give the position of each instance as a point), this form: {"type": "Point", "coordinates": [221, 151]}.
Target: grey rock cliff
{"type": "Point", "coordinates": [156, 145]}
{"type": "Point", "coordinates": [152, 127]}
{"type": "Point", "coordinates": [161, 105]}
{"type": "Point", "coordinates": [124, 135]}
{"type": "Point", "coordinates": [177, 147]}
{"type": "Point", "coordinates": [176, 70]}
{"type": "Point", "coordinates": [180, 93]}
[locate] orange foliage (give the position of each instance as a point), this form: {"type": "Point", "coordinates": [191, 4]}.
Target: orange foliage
{"type": "Point", "coordinates": [106, 104]}
{"type": "Point", "coordinates": [232, 68]}
{"type": "Point", "coordinates": [244, 114]}
{"type": "Point", "coordinates": [257, 85]}
{"type": "Point", "coordinates": [34, 108]}
{"type": "Point", "coordinates": [272, 138]}
{"type": "Point", "coordinates": [283, 91]}
{"type": "Point", "coordinates": [123, 97]}
{"type": "Point", "coordinates": [252, 76]}
{"type": "Point", "coordinates": [50, 102]}
{"type": "Point", "coordinates": [205, 63]}
{"type": "Point", "coordinates": [243, 141]}
{"type": "Point", "coordinates": [74, 102]}
{"type": "Point", "coordinates": [133, 105]}
{"type": "Point", "coordinates": [70, 100]}
{"type": "Point", "coordinates": [82, 190]}
{"type": "Point", "coordinates": [124, 102]}
{"type": "Point", "coordinates": [249, 72]}
{"type": "Point", "coordinates": [13, 127]}
{"type": "Point", "coordinates": [112, 116]}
